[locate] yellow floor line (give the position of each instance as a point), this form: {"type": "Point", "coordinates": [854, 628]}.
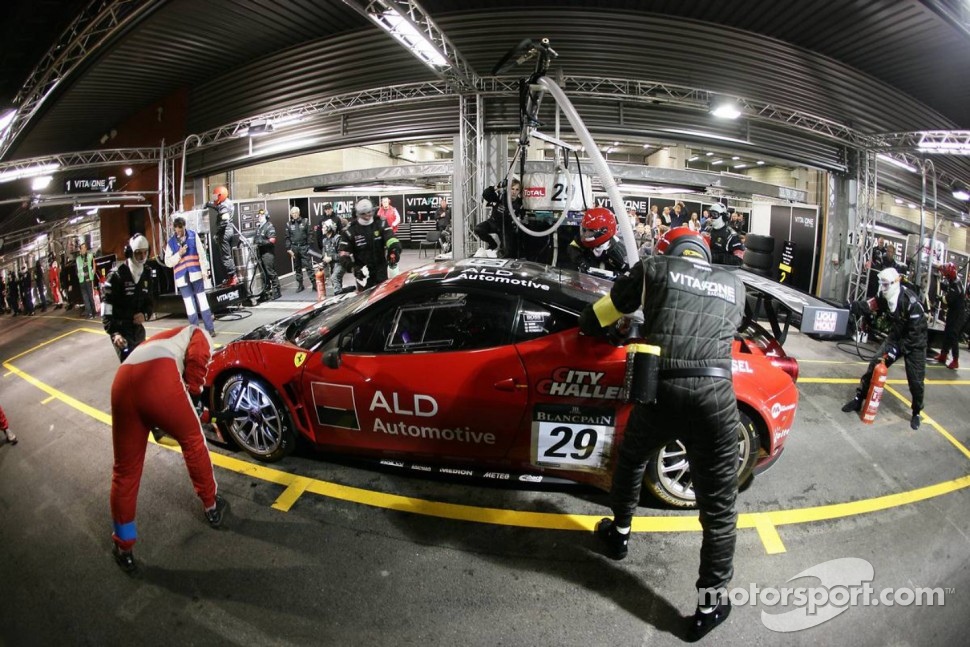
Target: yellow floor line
{"type": "Point", "coordinates": [764, 523]}
{"type": "Point", "coordinates": [926, 418]}
{"type": "Point", "coordinates": [47, 399]}
{"type": "Point", "coordinates": [293, 492]}
{"type": "Point", "coordinates": [768, 534]}
{"type": "Point", "coordinates": [855, 380]}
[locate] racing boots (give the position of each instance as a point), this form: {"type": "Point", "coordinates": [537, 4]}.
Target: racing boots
{"type": "Point", "coordinates": [10, 436]}
{"type": "Point", "coordinates": [954, 365]}
{"type": "Point", "coordinates": [299, 287]}
{"type": "Point", "coordinates": [614, 543]}
{"type": "Point", "coordinates": [855, 404]}
{"type": "Point", "coordinates": [702, 623]}
{"type": "Point", "coordinates": [124, 559]}
{"type": "Point", "coordinates": [914, 421]}
{"type": "Point", "coordinates": [215, 514]}
{"type": "Point", "coordinates": [941, 358]}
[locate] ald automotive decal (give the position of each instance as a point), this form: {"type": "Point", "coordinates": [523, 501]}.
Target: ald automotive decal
{"type": "Point", "coordinates": [499, 276]}
{"type": "Point", "coordinates": [572, 437]}
{"type": "Point", "coordinates": [412, 407]}
{"type": "Point", "coordinates": [571, 383]}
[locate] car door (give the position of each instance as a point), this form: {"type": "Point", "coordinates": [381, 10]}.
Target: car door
{"type": "Point", "coordinates": [435, 375]}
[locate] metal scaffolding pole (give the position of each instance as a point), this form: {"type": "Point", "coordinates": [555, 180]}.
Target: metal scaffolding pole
{"type": "Point", "coordinates": [860, 247]}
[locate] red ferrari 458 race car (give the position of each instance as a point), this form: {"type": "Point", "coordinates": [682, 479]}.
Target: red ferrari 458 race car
{"type": "Point", "coordinates": [476, 367]}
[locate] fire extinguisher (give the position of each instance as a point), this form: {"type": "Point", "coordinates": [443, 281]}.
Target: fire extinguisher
{"type": "Point", "coordinates": [321, 278]}
{"type": "Point", "coordinates": [876, 387]}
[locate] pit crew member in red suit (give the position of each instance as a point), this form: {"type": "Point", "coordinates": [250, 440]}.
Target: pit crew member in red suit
{"type": "Point", "coordinates": [154, 388]}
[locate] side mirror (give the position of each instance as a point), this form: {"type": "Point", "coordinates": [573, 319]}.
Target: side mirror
{"type": "Point", "coordinates": [331, 358]}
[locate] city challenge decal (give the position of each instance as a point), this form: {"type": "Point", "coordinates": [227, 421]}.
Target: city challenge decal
{"type": "Point", "coordinates": [571, 383]}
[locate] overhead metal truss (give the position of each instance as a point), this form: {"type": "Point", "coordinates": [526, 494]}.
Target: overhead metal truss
{"type": "Point", "coordinates": [84, 159]}
{"type": "Point", "coordinates": [860, 251]}
{"type": "Point", "coordinates": [457, 72]}
{"type": "Point", "coordinates": [91, 29]}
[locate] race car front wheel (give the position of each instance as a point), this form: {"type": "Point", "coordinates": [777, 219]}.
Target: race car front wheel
{"type": "Point", "coordinates": [257, 420]}
{"type": "Point", "coordinates": [668, 471]}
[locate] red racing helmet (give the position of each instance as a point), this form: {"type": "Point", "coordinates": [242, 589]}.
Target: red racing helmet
{"type": "Point", "coordinates": [597, 227]}
{"type": "Point", "coordinates": [949, 271]}
{"type": "Point", "coordinates": [683, 241]}
{"type": "Point", "coordinates": [220, 193]}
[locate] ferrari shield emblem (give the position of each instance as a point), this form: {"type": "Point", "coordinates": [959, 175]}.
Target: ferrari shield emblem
{"type": "Point", "coordinates": [298, 359]}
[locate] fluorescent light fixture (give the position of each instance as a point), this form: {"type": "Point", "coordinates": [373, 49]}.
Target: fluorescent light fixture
{"type": "Point", "coordinates": [648, 188]}
{"type": "Point", "coordinates": [285, 145]}
{"type": "Point", "coordinates": [41, 182]}
{"type": "Point", "coordinates": [693, 158]}
{"type": "Point", "coordinates": [740, 166]}
{"type": "Point", "coordinates": [895, 162]}
{"type": "Point", "coordinates": [405, 32]}
{"type": "Point", "coordinates": [706, 135]}
{"type": "Point", "coordinates": [6, 119]}
{"type": "Point", "coordinates": [95, 207]}
{"type": "Point", "coordinates": [29, 171]}
{"type": "Point", "coordinates": [761, 162]}
{"type": "Point", "coordinates": [726, 109]}
{"type": "Point", "coordinates": [911, 205]}
{"type": "Point", "coordinates": [735, 158]}
{"type": "Point", "coordinates": [898, 201]}
{"type": "Point", "coordinates": [716, 162]}
{"type": "Point", "coordinates": [957, 225]}
{"type": "Point", "coordinates": [961, 194]}
{"type": "Point", "coordinates": [708, 154]}
{"type": "Point", "coordinates": [374, 189]}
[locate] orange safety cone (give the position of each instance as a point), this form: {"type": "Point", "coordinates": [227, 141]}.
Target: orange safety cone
{"type": "Point", "coordinates": [876, 387]}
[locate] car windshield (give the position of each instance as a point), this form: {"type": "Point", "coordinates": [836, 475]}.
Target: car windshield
{"type": "Point", "coordinates": [311, 330]}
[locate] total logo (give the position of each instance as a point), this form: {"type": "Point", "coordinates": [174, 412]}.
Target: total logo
{"type": "Point", "coordinates": [778, 409]}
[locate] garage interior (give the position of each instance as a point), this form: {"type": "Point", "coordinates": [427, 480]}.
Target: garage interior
{"type": "Point", "coordinates": [856, 109]}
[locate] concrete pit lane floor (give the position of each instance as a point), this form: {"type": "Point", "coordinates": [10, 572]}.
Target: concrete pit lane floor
{"type": "Point", "coordinates": [320, 551]}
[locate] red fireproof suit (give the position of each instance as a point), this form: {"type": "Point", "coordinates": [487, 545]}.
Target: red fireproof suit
{"type": "Point", "coordinates": [152, 389]}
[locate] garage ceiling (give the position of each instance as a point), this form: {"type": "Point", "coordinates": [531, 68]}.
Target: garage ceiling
{"type": "Point", "coordinates": [875, 65]}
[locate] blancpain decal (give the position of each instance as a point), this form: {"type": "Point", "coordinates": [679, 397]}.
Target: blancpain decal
{"type": "Point", "coordinates": [777, 409]}
{"type": "Point", "coordinates": [710, 288]}
{"type": "Point", "coordinates": [571, 383]}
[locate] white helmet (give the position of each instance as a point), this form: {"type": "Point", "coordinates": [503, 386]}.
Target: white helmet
{"type": "Point", "coordinates": [365, 211]}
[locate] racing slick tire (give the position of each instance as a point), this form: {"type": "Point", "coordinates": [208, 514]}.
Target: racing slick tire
{"type": "Point", "coordinates": [758, 243]}
{"type": "Point", "coordinates": [258, 421]}
{"type": "Point", "coordinates": [668, 473]}
{"type": "Point", "coordinates": [756, 259]}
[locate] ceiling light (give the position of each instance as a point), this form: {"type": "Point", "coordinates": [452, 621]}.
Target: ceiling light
{"type": "Point", "coordinates": [961, 194]}
{"type": "Point", "coordinates": [911, 205]}
{"type": "Point", "coordinates": [28, 171]}
{"type": "Point", "coordinates": [363, 188]}
{"type": "Point", "coordinates": [406, 33]}
{"type": "Point", "coordinates": [740, 166]}
{"type": "Point", "coordinates": [649, 188]}
{"type": "Point", "coordinates": [957, 225]}
{"type": "Point", "coordinates": [761, 162]}
{"type": "Point", "coordinates": [6, 119]}
{"type": "Point", "coordinates": [735, 158]}
{"type": "Point", "coordinates": [716, 162]}
{"type": "Point", "coordinates": [895, 162]}
{"type": "Point", "coordinates": [285, 145]}
{"type": "Point", "coordinates": [129, 171]}
{"type": "Point", "coordinates": [899, 200]}
{"type": "Point", "coordinates": [41, 182]}
{"type": "Point", "coordinates": [725, 109]}
{"type": "Point", "coordinates": [706, 135]}
{"type": "Point", "coordinates": [693, 158]}
{"type": "Point", "coordinates": [708, 154]}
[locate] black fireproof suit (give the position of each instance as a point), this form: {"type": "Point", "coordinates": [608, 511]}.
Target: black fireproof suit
{"type": "Point", "coordinates": [123, 299]}
{"type": "Point", "coordinates": [373, 246]}
{"type": "Point", "coordinates": [955, 316]}
{"type": "Point", "coordinates": [692, 311]}
{"type": "Point", "coordinates": [906, 338]}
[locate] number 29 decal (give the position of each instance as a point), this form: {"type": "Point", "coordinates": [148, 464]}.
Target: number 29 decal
{"type": "Point", "coordinates": [573, 437]}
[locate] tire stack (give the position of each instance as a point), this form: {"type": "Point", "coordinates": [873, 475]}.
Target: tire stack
{"type": "Point", "coordinates": [759, 255]}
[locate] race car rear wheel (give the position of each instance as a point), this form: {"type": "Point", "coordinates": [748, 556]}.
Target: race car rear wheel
{"type": "Point", "coordinates": [257, 421]}
{"type": "Point", "coordinates": [668, 471]}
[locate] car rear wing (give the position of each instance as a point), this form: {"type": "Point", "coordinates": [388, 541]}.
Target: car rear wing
{"type": "Point", "coordinates": [784, 306]}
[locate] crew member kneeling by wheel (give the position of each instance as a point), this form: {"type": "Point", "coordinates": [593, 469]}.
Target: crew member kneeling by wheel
{"type": "Point", "coordinates": [691, 312]}
{"type": "Point", "coordinates": [154, 388]}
